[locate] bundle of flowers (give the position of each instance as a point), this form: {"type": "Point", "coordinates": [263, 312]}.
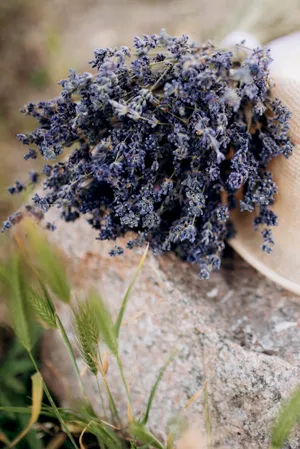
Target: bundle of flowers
{"type": "Point", "coordinates": [167, 138]}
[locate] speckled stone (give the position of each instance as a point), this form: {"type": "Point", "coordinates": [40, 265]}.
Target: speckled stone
{"type": "Point", "coordinates": [238, 330]}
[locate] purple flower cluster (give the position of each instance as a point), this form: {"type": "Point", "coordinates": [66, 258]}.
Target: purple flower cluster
{"type": "Point", "coordinates": [163, 136]}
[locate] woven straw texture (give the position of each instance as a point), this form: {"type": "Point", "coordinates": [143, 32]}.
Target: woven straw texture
{"type": "Point", "coordinates": [283, 264]}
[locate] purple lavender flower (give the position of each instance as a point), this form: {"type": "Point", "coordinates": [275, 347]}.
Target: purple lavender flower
{"type": "Point", "coordinates": [159, 133]}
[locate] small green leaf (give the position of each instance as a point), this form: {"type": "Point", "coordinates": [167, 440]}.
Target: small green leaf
{"type": "Point", "coordinates": [127, 295]}
{"type": "Point", "coordinates": [106, 326]}
{"type": "Point", "coordinates": [143, 435]}
{"type": "Point", "coordinates": [287, 419]}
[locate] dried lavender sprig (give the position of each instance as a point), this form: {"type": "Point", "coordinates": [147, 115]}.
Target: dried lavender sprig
{"type": "Point", "coordinates": [164, 137]}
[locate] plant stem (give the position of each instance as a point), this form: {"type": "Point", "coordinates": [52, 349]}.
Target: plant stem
{"type": "Point", "coordinates": [71, 354]}
{"type": "Point", "coordinates": [124, 383]}
{"type": "Point", "coordinates": [112, 404]}
{"type": "Point", "coordinates": [101, 397]}
{"type": "Point", "coordinates": [55, 409]}
{"type": "Point", "coordinates": [111, 401]}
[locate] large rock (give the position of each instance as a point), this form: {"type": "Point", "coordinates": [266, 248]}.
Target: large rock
{"type": "Point", "coordinates": [238, 330]}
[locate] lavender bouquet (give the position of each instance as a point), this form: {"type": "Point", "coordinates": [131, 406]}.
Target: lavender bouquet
{"type": "Point", "coordinates": [163, 136]}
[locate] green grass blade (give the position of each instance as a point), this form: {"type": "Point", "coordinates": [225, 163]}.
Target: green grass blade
{"type": "Point", "coordinates": [120, 365]}
{"type": "Point", "coordinates": [287, 419]}
{"type": "Point", "coordinates": [66, 414]}
{"type": "Point", "coordinates": [13, 409]}
{"type": "Point", "coordinates": [32, 439]}
{"type": "Point", "coordinates": [132, 445]}
{"type": "Point", "coordinates": [4, 275]}
{"type": "Point", "coordinates": [154, 388]}
{"type": "Point", "coordinates": [127, 294]}
{"type": "Point", "coordinates": [143, 435]}
{"type": "Point", "coordinates": [53, 405]}
{"type": "Point", "coordinates": [107, 333]}
{"type": "Point", "coordinates": [18, 302]}
{"type": "Point", "coordinates": [112, 404]}
{"type": "Point", "coordinates": [105, 323]}
{"type": "Point", "coordinates": [107, 436]}
{"type": "Point", "coordinates": [37, 395]}
{"type": "Point", "coordinates": [5, 402]}
{"type": "Point", "coordinates": [14, 385]}
{"type": "Point", "coordinates": [9, 368]}
{"type": "Point", "coordinates": [49, 265]}
{"type": "Point", "coordinates": [70, 352]}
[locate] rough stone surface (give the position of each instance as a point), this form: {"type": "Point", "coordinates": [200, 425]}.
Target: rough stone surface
{"type": "Point", "coordinates": [238, 330]}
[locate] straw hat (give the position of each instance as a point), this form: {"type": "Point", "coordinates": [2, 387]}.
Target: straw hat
{"type": "Point", "coordinates": [283, 264]}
